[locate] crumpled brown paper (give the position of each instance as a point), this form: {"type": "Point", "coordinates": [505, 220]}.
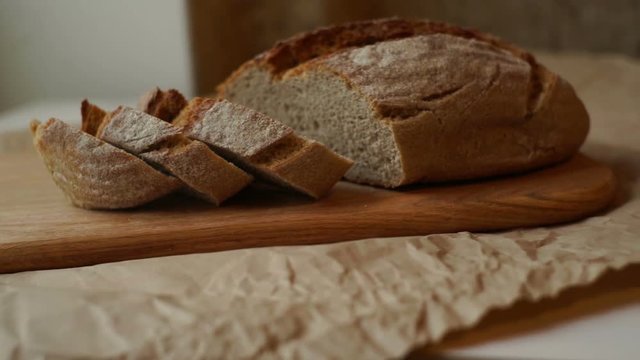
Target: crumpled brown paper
{"type": "Point", "coordinates": [369, 299]}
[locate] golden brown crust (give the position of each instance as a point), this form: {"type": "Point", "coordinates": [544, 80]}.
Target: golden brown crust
{"type": "Point", "coordinates": [163, 104]}
{"type": "Point", "coordinates": [457, 70]}
{"type": "Point", "coordinates": [210, 176]}
{"type": "Point", "coordinates": [94, 174]}
{"type": "Point", "coordinates": [312, 169]}
{"type": "Point", "coordinates": [325, 41]}
{"type": "Point", "coordinates": [298, 53]}
{"type": "Point", "coordinates": [550, 135]}
{"type": "Point", "coordinates": [302, 48]}
{"type": "Point", "coordinates": [279, 150]}
{"type": "Point", "coordinates": [92, 117]}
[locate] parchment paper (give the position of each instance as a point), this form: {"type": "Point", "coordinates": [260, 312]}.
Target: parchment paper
{"type": "Point", "coordinates": [369, 299]}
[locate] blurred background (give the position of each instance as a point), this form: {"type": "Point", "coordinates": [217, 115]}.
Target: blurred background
{"type": "Point", "coordinates": [112, 51]}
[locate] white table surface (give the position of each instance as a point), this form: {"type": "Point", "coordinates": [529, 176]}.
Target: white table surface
{"type": "Point", "coordinates": [614, 334]}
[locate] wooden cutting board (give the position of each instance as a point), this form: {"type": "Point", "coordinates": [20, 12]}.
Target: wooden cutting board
{"type": "Point", "coordinates": [40, 230]}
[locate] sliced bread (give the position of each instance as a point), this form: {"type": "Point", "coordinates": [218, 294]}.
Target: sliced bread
{"type": "Point", "coordinates": [163, 104]}
{"type": "Point", "coordinates": [162, 145]}
{"type": "Point", "coordinates": [263, 146]}
{"type": "Point", "coordinates": [94, 174]}
{"type": "Point", "coordinates": [415, 101]}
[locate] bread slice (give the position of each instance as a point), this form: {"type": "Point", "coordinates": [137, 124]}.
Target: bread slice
{"type": "Point", "coordinates": [415, 101]}
{"type": "Point", "coordinates": [91, 117]}
{"type": "Point", "coordinates": [165, 105]}
{"type": "Point", "coordinates": [263, 146]}
{"type": "Point", "coordinates": [162, 145]}
{"type": "Point", "coordinates": [94, 174]}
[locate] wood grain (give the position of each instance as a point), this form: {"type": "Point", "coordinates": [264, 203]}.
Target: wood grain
{"type": "Point", "coordinates": [40, 230]}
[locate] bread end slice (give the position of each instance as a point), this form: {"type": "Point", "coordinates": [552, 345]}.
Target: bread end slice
{"type": "Point", "coordinates": [93, 174]}
{"type": "Point", "coordinates": [164, 105]}
{"type": "Point", "coordinates": [92, 117]}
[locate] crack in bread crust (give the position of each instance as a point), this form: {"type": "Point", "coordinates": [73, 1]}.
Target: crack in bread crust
{"type": "Point", "coordinates": [299, 49]}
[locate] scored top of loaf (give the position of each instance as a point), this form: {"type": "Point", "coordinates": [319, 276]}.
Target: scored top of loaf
{"type": "Point", "coordinates": [400, 84]}
{"type": "Point", "coordinates": [300, 50]}
{"type": "Point", "coordinates": [304, 47]}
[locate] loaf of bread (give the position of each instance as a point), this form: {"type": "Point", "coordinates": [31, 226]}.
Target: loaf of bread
{"type": "Point", "coordinates": [93, 174]}
{"type": "Point", "coordinates": [415, 101]}
{"type": "Point", "coordinates": [409, 101]}
{"type": "Point", "coordinates": [161, 144]}
{"type": "Point", "coordinates": [263, 146]}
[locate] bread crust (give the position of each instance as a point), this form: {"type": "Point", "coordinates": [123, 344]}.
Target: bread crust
{"type": "Point", "coordinates": [299, 49]}
{"type": "Point", "coordinates": [163, 104]}
{"type": "Point", "coordinates": [313, 170]}
{"type": "Point", "coordinates": [92, 117]}
{"type": "Point", "coordinates": [461, 104]}
{"type": "Point", "coordinates": [95, 175]}
{"type": "Point", "coordinates": [207, 174]}
{"type": "Point", "coordinates": [550, 135]}
{"type": "Point", "coordinates": [263, 146]}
